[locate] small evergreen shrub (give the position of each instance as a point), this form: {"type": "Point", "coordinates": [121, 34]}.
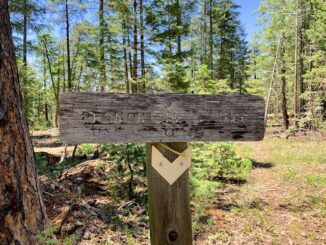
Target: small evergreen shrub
{"type": "Point", "coordinates": [219, 160]}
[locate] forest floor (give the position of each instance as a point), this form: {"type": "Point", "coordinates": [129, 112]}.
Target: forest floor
{"type": "Point", "coordinates": [283, 200]}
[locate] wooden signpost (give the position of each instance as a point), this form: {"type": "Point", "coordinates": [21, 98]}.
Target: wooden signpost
{"type": "Point", "coordinates": [166, 122]}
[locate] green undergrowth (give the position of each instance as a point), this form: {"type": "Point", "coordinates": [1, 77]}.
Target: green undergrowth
{"type": "Point", "coordinates": [212, 165]}
{"type": "Point", "coordinates": [47, 237]}
{"type": "Point", "coordinates": [54, 171]}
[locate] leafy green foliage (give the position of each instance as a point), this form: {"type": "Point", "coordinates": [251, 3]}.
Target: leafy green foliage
{"type": "Point", "coordinates": [47, 237]}
{"type": "Point", "coordinates": [219, 160]}
{"type": "Point", "coordinates": [132, 155]}
{"type": "Point", "coordinates": [86, 149]}
{"type": "Point", "coordinates": [135, 154]}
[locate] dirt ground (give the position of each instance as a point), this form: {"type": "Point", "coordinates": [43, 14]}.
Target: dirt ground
{"type": "Point", "coordinates": [283, 200]}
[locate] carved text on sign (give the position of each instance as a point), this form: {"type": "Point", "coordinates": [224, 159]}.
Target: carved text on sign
{"type": "Point", "coordinates": [115, 117]}
{"type": "Point", "coordinates": [102, 117]}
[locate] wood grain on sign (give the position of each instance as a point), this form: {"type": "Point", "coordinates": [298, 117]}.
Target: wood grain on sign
{"type": "Point", "coordinates": [103, 117]}
{"type": "Point", "coordinates": [171, 171]}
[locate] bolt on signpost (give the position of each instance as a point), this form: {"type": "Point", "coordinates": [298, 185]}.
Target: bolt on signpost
{"type": "Point", "coordinates": [165, 122]}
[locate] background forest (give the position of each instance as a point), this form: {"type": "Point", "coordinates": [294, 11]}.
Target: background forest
{"type": "Point", "coordinates": [172, 46]}
{"type": "Point", "coordinates": [268, 192]}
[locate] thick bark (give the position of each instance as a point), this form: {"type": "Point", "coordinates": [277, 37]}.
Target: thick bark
{"type": "Point", "coordinates": [102, 50]}
{"type": "Point", "coordinates": [135, 60]}
{"type": "Point", "coordinates": [142, 45]}
{"type": "Point", "coordinates": [22, 213]}
{"type": "Point", "coordinates": [68, 47]}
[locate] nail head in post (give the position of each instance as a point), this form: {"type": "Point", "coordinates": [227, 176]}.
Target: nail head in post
{"type": "Point", "coordinates": [169, 132]}
{"type": "Point", "coordinates": [168, 103]}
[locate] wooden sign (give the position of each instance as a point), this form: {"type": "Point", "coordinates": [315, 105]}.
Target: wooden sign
{"type": "Point", "coordinates": [170, 118]}
{"type": "Point", "coordinates": [104, 117]}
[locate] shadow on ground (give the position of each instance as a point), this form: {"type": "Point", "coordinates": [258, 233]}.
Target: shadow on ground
{"type": "Point", "coordinates": [256, 164]}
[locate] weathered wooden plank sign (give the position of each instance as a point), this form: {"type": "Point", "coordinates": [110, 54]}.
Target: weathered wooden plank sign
{"type": "Point", "coordinates": [170, 118]}
{"type": "Point", "coordinates": [103, 117]}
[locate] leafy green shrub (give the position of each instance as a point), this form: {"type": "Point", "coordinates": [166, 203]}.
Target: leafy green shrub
{"type": "Point", "coordinates": [47, 237]}
{"type": "Point", "coordinates": [86, 149]}
{"type": "Point", "coordinates": [219, 160]}
{"type": "Point", "coordinates": [230, 165]}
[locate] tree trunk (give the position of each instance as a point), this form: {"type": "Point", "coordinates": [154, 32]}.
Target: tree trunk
{"type": "Point", "coordinates": [46, 109]}
{"type": "Point", "coordinates": [55, 88]}
{"type": "Point", "coordinates": [102, 50]}
{"type": "Point", "coordinates": [22, 213]}
{"type": "Point", "coordinates": [129, 54]}
{"type": "Point", "coordinates": [271, 86]}
{"type": "Point", "coordinates": [221, 65]}
{"type": "Point", "coordinates": [211, 39]}
{"type": "Point", "coordinates": [68, 47]}
{"type": "Point", "coordinates": [284, 111]}
{"type": "Point", "coordinates": [25, 34]}
{"type": "Point", "coordinates": [142, 45]}
{"type": "Point", "coordinates": [135, 61]}
{"type": "Point", "coordinates": [179, 24]}
{"type": "Point", "coordinates": [125, 57]}
{"type": "Point", "coordinates": [298, 84]}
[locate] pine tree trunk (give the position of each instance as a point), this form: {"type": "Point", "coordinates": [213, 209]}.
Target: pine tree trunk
{"type": "Point", "coordinates": [22, 213]}
{"type": "Point", "coordinates": [283, 102]}
{"type": "Point", "coordinates": [25, 34]}
{"type": "Point", "coordinates": [221, 65]}
{"type": "Point", "coordinates": [46, 109]}
{"type": "Point", "coordinates": [125, 58]}
{"type": "Point", "coordinates": [179, 23]}
{"type": "Point", "coordinates": [102, 50]}
{"type": "Point", "coordinates": [142, 45]}
{"type": "Point", "coordinates": [135, 60]}
{"type": "Point", "coordinates": [129, 54]}
{"type": "Point", "coordinates": [211, 39]}
{"type": "Point", "coordinates": [55, 88]}
{"type": "Point", "coordinates": [298, 84]}
{"type": "Point", "coordinates": [68, 46]}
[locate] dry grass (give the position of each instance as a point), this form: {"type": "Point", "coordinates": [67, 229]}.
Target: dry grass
{"type": "Point", "coordinates": [284, 200]}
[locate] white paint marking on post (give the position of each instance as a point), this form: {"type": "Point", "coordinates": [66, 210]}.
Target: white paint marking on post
{"type": "Point", "coordinates": [171, 171]}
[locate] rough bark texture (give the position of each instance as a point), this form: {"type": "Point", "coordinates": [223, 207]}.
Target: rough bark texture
{"type": "Point", "coordinates": [169, 205]}
{"type": "Point", "coordinates": [22, 213]}
{"type": "Point", "coordinates": [102, 117]}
